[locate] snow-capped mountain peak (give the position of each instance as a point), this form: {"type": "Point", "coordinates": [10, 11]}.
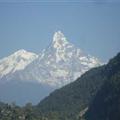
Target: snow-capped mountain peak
{"type": "Point", "coordinates": [59, 40]}
{"type": "Point", "coordinates": [57, 65]}
{"type": "Point", "coordinates": [17, 61]}
{"type": "Point", "coordinates": [58, 36]}
{"type": "Point", "coordinates": [60, 47]}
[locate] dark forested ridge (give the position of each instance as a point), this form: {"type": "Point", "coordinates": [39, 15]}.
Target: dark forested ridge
{"type": "Point", "coordinates": [106, 104]}
{"type": "Point", "coordinates": [94, 96]}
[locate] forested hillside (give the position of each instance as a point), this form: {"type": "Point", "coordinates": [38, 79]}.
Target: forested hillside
{"type": "Point", "coordinates": [106, 105]}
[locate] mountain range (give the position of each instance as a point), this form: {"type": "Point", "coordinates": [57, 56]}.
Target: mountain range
{"type": "Point", "coordinates": [59, 64]}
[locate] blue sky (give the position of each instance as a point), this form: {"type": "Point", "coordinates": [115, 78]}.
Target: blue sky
{"type": "Point", "coordinates": [93, 26]}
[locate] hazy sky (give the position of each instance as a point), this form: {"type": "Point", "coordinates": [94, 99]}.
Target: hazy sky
{"type": "Point", "coordinates": [93, 26]}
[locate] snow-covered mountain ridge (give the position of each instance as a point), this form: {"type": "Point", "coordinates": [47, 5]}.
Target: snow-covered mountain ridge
{"type": "Point", "coordinates": [15, 62]}
{"type": "Point", "coordinates": [57, 65]}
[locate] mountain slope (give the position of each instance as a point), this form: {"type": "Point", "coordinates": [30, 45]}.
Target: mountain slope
{"type": "Point", "coordinates": [59, 64]}
{"type": "Point", "coordinates": [72, 101]}
{"type": "Point", "coordinates": [106, 105]}
{"type": "Point", "coordinates": [68, 101]}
